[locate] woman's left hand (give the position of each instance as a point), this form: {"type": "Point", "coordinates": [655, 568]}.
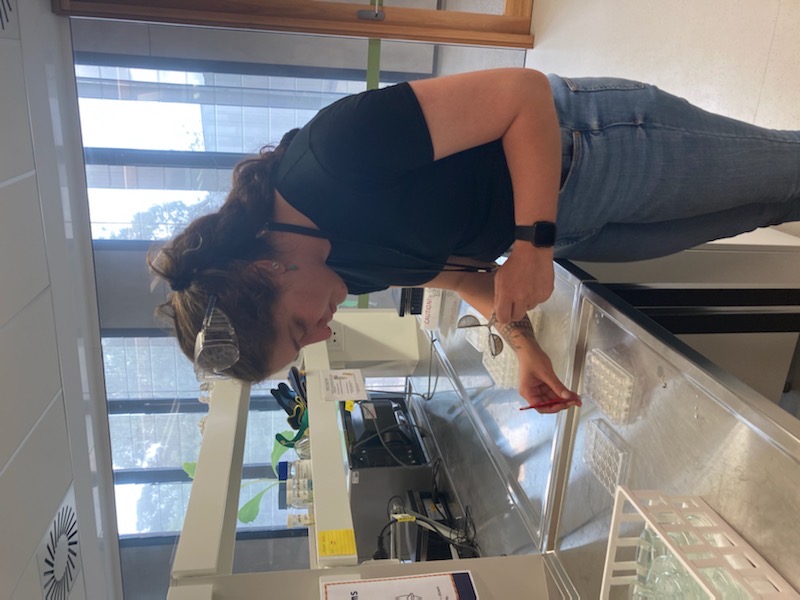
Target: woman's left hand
{"type": "Point", "coordinates": [524, 281]}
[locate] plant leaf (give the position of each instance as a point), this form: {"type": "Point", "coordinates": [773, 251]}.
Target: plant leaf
{"type": "Point", "coordinates": [279, 450]}
{"type": "Point", "coordinates": [249, 511]}
{"type": "Point", "coordinates": [189, 468]}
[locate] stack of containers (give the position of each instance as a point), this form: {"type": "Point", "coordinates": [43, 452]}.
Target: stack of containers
{"type": "Point", "coordinates": [299, 491]}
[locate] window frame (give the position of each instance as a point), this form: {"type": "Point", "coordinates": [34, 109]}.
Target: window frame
{"type": "Point", "coordinates": [511, 29]}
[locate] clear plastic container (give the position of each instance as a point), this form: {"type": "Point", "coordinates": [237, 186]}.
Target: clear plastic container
{"type": "Point", "coordinates": [301, 487]}
{"type": "Point", "coordinates": [299, 518]}
{"type": "Point", "coordinates": [299, 497]}
{"type": "Point", "coordinates": [303, 446]}
{"type": "Point", "coordinates": [659, 574]}
{"type": "Point", "coordinates": [298, 469]}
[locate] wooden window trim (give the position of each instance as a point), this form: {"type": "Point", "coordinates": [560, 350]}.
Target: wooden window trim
{"type": "Point", "coordinates": [509, 30]}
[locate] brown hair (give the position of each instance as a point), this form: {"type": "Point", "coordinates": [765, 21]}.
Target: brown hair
{"type": "Point", "coordinates": [215, 254]}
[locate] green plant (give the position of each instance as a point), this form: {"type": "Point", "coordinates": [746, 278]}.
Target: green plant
{"type": "Point", "coordinates": [248, 512]}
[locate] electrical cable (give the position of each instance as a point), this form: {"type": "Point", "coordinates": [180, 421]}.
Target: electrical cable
{"type": "Point", "coordinates": [463, 539]}
{"type": "Point", "coordinates": [430, 393]}
{"type": "Point", "coordinates": [378, 433]}
{"type": "Point", "coordinates": [437, 463]}
{"type": "Point", "coordinates": [393, 455]}
{"type": "Point", "coordinates": [451, 536]}
{"type": "Point", "coordinates": [372, 436]}
{"type": "Point", "coordinates": [380, 552]}
{"type": "Point", "coordinates": [469, 524]}
{"type": "Point", "coordinates": [389, 505]}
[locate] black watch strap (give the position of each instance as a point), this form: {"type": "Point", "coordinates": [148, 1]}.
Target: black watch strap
{"type": "Point", "coordinates": [541, 234]}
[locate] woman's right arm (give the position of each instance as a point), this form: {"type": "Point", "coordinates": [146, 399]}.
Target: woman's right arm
{"type": "Point", "coordinates": [538, 382]}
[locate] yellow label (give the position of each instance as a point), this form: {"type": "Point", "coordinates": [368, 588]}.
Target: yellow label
{"type": "Point", "coordinates": [349, 405]}
{"type": "Point", "coordinates": [336, 542]}
{"type": "Point", "coordinates": [403, 518]}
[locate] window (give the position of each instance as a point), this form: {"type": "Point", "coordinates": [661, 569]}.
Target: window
{"type": "Point", "coordinates": [155, 423]}
{"type": "Point", "coordinates": [160, 142]}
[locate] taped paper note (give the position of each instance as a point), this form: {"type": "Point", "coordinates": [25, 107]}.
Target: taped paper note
{"type": "Point", "coordinates": [342, 385]}
{"type": "Point", "coordinates": [436, 586]}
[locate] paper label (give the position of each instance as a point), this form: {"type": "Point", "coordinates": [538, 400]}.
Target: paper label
{"type": "Point", "coordinates": [437, 586]}
{"type": "Point", "coordinates": [336, 542]}
{"type": "Point", "coordinates": [342, 384]}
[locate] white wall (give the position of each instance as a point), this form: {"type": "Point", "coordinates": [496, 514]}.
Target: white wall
{"type": "Point", "coordinates": [739, 58]}
{"type": "Point", "coordinates": [49, 354]}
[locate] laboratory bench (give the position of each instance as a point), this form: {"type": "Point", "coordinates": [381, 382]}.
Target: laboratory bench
{"type": "Point", "coordinates": [549, 496]}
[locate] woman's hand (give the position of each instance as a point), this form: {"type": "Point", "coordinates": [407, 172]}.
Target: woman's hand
{"type": "Point", "coordinates": [539, 385]}
{"type": "Point", "coordinates": [523, 281]}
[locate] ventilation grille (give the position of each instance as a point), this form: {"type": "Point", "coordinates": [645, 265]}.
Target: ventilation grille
{"type": "Point", "coordinates": [8, 19]}
{"type": "Point", "coordinates": [59, 552]}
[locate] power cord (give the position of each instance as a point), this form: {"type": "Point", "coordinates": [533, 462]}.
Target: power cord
{"type": "Point", "coordinates": [461, 538]}
{"type": "Point", "coordinates": [381, 553]}
{"type": "Point", "coordinates": [379, 434]}
{"type": "Point", "coordinates": [437, 464]}
{"type": "Point", "coordinates": [455, 537]}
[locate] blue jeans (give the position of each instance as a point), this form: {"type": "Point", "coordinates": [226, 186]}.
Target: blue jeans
{"type": "Point", "coordinates": [646, 174]}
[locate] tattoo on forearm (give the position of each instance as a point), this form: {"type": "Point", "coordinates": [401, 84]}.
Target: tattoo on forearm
{"type": "Point", "coordinates": [514, 332]}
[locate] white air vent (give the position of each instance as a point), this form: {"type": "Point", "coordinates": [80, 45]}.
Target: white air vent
{"type": "Point", "coordinates": [59, 552]}
{"type": "Point", "coordinates": [9, 19]}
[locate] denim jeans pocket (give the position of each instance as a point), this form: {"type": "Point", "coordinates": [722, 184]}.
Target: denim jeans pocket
{"type": "Point", "coordinates": [573, 227]}
{"type": "Point", "coordinates": [574, 159]}
{"type": "Point", "coordinates": [602, 84]}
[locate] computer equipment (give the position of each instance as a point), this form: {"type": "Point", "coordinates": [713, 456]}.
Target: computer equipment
{"type": "Point", "coordinates": [379, 433]}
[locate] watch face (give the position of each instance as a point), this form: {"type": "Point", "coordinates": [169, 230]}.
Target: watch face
{"type": "Point", "coordinates": [544, 234]}
{"type": "Point", "coordinates": [541, 233]}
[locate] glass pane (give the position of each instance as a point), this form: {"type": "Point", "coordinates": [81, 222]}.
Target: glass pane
{"type": "Point", "coordinates": [175, 110]}
{"type": "Point", "coordinates": [146, 214]}
{"type": "Point", "coordinates": [140, 197]}
{"type": "Point", "coordinates": [157, 177]}
{"type": "Point", "coordinates": [153, 368]}
{"type": "Point", "coordinates": [151, 508]}
{"type": "Point", "coordinates": [161, 507]}
{"type": "Point", "coordinates": [141, 124]}
{"type": "Point", "coordinates": [146, 368]}
{"type": "Point", "coordinates": [141, 441]}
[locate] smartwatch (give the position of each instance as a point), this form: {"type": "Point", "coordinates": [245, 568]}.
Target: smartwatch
{"type": "Point", "coordinates": [541, 234]}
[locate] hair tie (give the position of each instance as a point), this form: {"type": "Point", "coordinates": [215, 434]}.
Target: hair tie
{"type": "Point", "coordinates": [182, 283]}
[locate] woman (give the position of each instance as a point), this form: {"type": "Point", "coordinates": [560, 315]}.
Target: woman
{"type": "Point", "coordinates": [426, 183]}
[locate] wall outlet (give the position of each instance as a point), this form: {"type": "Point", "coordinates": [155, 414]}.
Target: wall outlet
{"type": "Point", "coordinates": [336, 341]}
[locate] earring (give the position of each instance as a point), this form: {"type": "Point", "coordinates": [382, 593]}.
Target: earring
{"type": "Point", "coordinates": [276, 266]}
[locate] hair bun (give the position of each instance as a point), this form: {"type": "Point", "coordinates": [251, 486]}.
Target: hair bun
{"type": "Point", "coordinates": [178, 284]}
{"type": "Point", "coordinates": [168, 265]}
